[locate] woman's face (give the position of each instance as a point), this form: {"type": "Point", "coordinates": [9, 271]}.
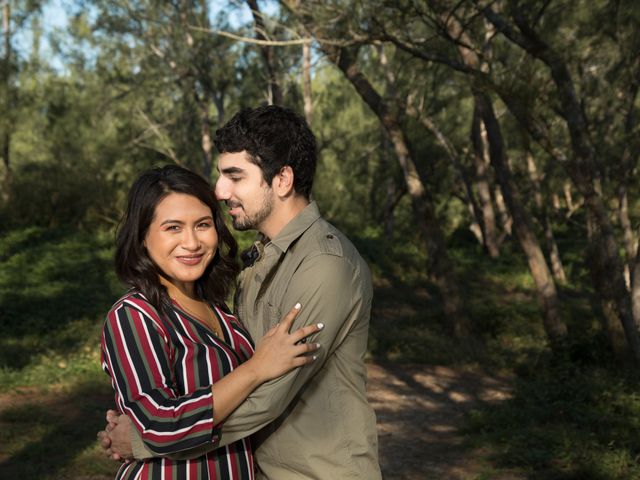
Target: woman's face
{"type": "Point", "coordinates": [182, 239]}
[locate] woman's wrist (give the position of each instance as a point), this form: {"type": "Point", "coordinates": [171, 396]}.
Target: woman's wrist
{"type": "Point", "coordinates": [253, 372]}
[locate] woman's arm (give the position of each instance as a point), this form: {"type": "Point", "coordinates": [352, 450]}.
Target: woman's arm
{"type": "Point", "coordinates": [276, 353]}
{"type": "Point", "coordinates": [136, 355]}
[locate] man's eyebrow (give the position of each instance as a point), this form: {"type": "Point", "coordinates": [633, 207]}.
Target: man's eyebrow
{"type": "Point", "coordinates": [232, 170]}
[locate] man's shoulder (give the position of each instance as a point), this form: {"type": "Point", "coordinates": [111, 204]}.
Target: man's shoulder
{"type": "Point", "coordinates": [324, 238]}
{"type": "Point", "coordinates": [323, 243]}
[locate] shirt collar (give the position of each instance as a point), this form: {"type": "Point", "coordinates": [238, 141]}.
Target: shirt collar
{"type": "Point", "coordinates": [296, 227]}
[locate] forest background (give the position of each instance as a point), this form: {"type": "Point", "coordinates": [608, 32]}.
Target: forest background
{"type": "Point", "coordinates": [482, 155]}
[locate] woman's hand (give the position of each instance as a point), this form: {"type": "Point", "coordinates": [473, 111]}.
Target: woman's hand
{"type": "Point", "coordinates": [280, 351]}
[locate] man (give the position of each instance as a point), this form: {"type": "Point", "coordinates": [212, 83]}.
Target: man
{"type": "Point", "coordinates": [314, 422]}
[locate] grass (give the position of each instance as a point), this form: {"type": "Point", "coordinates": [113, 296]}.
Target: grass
{"type": "Point", "coordinates": [574, 418]}
{"type": "Point", "coordinates": [53, 436]}
{"type": "Point", "coordinates": [55, 286]}
{"type": "Point", "coordinates": [564, 423]}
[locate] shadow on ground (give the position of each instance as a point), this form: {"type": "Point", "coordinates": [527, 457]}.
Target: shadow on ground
{"type": "Point", "coordinates": [54, 434]}
{"type": "Point", "coordinates": [420, 410]}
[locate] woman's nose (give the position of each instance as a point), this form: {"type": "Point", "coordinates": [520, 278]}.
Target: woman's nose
{"type": "Point", "coordinates": [190, 239]}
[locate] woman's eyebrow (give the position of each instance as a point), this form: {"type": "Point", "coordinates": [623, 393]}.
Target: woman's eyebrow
{"type": "Point", "coordinates": [180, 222]}
{"type": "Point", "coordinates": [172, 221]}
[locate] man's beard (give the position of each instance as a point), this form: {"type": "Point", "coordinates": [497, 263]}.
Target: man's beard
{"type": "Point", "coordinates": [251, 222]}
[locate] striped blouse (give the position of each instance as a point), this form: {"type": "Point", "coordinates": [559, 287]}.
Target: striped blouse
{"type": "Point", "coordinates": [162, 368]}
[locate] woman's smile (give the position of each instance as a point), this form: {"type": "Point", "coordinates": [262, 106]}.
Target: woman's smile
{"type": "Point", "coordinates": [190, 260]}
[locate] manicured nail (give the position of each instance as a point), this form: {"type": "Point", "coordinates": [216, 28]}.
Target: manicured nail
{"type": "Point", "coordinates": [317, 345]}
{"type": "Point", "coordinates": [297, 306]}
{"type": "Point", "coordinates": [315, 357]}
{"type": "Point", "coordinates": [321, 326]}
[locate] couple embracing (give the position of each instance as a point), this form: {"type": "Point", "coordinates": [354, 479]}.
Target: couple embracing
{"type": "Point", "coordinates": [196, 398]}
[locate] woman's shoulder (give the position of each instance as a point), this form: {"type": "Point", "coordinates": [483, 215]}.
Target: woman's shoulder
{"type": "Point", "coordinates": [134, 313]}
{"type": "Point", "coordinates": [134, 300]}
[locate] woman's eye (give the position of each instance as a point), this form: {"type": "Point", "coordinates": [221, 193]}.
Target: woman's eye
{"type": "Point", "coordinates": [204, 225]}
{"type": "Point", "coordinates": [172, 228]}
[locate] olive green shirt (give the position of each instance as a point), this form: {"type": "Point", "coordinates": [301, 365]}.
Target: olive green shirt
{"type": "Point", "coordinates": [314, 422]}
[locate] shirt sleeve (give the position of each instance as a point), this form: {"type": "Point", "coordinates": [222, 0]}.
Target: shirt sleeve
{"type": "Point", "coordinates": [136, 355]}
{"type": "Point", "coordinates": [331, 291]}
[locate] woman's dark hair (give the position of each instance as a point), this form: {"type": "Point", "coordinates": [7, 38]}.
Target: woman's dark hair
{"type": "Point", "coordinates": [133, 264]}
{"type": "Point", "coordinates": [274, 137]}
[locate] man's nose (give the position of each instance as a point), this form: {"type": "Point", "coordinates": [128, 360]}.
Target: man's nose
{"type": "Point", "coordinates": [222, 189]}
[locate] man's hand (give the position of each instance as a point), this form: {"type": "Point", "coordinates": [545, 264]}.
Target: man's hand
{"type": "Point", "coordinates": [114, 439]}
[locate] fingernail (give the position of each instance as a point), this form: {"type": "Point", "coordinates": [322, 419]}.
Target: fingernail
{"type": "Point", "coordinates": [321, 326]}
{"type": "Point", "coordinates": [317, 345]}
{"type": "Point", "coordinates": [297, 306]}
{"type": "Point", "coordinates": [315, 357]}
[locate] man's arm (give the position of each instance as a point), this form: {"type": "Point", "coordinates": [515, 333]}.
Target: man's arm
{"type": "Point", "coordinates": [333, 292]}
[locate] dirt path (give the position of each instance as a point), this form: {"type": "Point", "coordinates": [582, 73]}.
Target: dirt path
{"type": "Point", "coordinates": [419, 410]}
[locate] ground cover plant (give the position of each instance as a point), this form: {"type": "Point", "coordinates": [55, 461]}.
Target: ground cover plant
{"type": "Point", "coordinates": [567, 418]}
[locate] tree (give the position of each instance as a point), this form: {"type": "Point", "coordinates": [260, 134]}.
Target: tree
{"type": "Point", "coordinates": [345, 58]}
{"type": "Point", "coordinates": [15, 15]}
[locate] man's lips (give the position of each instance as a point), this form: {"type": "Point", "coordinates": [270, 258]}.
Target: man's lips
{"type": "Point", "coordinates": [234, 208]}
{"type": "Point", "coordinates": [190, 259]}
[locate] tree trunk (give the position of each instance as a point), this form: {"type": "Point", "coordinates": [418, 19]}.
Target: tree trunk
{"type": "Point", "coordinates": [422, 205]}
{"type": "Point", "coordinates": [306, 81]}
{"type": "Point", "coordinates": [218, 101]}
{"type": "Point", "coordinates": [207, 146]}
{"type": "Point", "coordinates": [393, 197]}
{"type": "Point", "coordinates": [488, 224]}
{"type": "Point", "coordinates": [568, 198]}
{"type": "Point", "coordinates": [610, 321]}
{"type": "Point", "coordinates": [635, 285]}
{"type": "Point", "coordinates": [6, 125]}
{"type": "Point", "coordinates": [582, 170]}
{"type": "Point", "coordinates": [627, 231]}
{"type": "Point", "coordinates": [206, 142]}
{"type": "Point", "coordinates": [428, 123]}
{"type": "Point", "coordinates": [554, 254]}
{"type": "Point", "coordinates": [554, 326]}
{"type": "Point", "coordinates": [274, 90]}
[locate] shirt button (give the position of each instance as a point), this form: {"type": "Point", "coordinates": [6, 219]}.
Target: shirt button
{"type": "Point", "coordinates": [329, 236]}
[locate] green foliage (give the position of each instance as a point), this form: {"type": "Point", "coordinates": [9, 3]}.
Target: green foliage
{"type": "Point", "coordinates": [143, 80]}
{"type": "Point", "coordinates": [565, 421]}
{"type": "Point", "coordinates": [48, 196]}
{"type": "Point", "coordinates": [55, 439]}
{"type": "Point", "coordinates": [55, 285]}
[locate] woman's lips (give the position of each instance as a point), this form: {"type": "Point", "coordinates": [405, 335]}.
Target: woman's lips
{"type": "Point", "coordinates": [190, 260]}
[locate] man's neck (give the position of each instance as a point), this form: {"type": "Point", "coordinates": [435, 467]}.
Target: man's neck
{"type": "Point", "coordinates": [282, 213]}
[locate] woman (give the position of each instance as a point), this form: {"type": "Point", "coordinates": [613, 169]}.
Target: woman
{"type": "Point", "coordinates": [178, 361]}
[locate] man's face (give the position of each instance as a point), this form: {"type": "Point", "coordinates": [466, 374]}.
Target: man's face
{"type": "Point", "coordinates": [241, 186]}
